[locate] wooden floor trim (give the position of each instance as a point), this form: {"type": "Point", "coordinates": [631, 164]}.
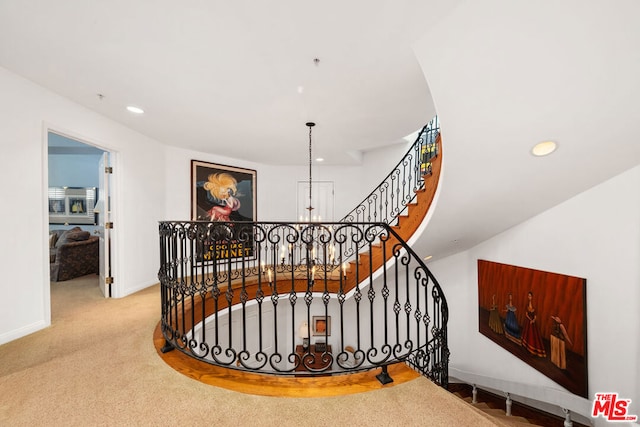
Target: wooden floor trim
{"type": "Point", "coordinates": [280, 386]}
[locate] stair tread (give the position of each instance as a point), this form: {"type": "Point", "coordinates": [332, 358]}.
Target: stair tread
{"type": "Point", "coordinates": [519, 423]}
{"type": "Point", "coordinates": [480, 405]}
{"type": "Point", "coordinates": [501, 415]}
{"type": "Point", "coordinates": [497, 413]}
{"type": "Point", "coordinates": [492, 411]}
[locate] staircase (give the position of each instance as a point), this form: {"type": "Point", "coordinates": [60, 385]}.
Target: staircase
{"type": "Point", "coordinates": [407, 224]}
{"type": "Point", "coordinates": [248, 295]}
{"type": "Point", "coordinates": [495, 407]}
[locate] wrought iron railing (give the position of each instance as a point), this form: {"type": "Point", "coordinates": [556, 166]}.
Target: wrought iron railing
{"type": "Point", "coordinates": [249, 296]}
{"type": "Point", "coordinates": [389, 200]}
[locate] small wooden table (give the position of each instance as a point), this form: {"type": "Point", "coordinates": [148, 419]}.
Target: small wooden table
{"type": "Point", "coordinates": [308, 357]}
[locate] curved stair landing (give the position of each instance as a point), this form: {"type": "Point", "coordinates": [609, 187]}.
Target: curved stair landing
{"type": "Point", "coordinates": [272, 385]}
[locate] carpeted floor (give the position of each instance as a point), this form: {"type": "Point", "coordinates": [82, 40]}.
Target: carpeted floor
{"type": "Point", "coordinates": [97, 366]}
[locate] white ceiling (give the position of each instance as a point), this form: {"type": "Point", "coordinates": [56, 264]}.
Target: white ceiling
{"type": "Point", "coordinates": [505, 75]}
{"type": "Point", "coordinates": [224, 77]}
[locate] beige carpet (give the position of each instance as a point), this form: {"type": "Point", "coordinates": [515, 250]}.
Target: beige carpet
{"type": "Point", "coordinates": [96, 365]}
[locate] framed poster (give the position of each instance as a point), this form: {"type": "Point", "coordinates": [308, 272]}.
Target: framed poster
{"type": "Point", "coordinates": [538, 316]}
{"type": "Point", "coordinates": [227, 194]}
{"type": "Point", "coordinates": [321, 325]}
{"type": "Point", "coordinates": [222, 193]}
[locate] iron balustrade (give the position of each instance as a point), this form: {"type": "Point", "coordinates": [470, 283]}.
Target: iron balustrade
{"type": "Point", "coordinates": [390, 199]}
{"type": "Point", "coordinates": [244, 295]}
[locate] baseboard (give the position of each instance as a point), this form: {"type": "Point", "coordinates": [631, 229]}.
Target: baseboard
{"type": "Point", "coordinates": [23, 331]}
{"type": "Point", "coordinates": [139, 287]}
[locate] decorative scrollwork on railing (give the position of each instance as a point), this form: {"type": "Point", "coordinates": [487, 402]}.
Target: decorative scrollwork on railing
{"type": "Point", "coordinates": [248, 296]}
{"type": "Point", "coordinates": [391, 197]}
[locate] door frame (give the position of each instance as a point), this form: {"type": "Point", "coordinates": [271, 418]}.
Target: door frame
{"type": "Point", "coordinates": [113, 155]}
{"type": "Point", "coordinates": [104, 217]}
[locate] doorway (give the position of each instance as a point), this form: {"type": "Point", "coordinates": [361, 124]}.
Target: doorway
{"type": "Point", "coordinates": [79, 186]}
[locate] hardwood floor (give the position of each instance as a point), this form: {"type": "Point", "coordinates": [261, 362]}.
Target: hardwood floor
{"type": "Point", "coordinates": [272, 385]}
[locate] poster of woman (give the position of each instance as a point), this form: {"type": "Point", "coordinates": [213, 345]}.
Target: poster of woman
{"type": "Point", "coordinates": [225, 194]}
{"type": "Point", "coordinates": [222, 193]}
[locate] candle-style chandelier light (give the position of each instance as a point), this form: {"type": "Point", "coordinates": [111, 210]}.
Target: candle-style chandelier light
{"type": "Point", "coordinates": [307, 254]}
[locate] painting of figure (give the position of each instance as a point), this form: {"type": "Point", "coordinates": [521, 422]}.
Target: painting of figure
{"type": "Point", "coordinates": [542, 319]}
{"type": "Point", "coordinates": [223, 194]}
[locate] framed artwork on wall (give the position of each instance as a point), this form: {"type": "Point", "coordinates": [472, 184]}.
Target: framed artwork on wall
{"type": "Point", "coordinates": [225, 194]}
{"type": "Point", "coordinates": [539, 317]}
{"type": "Point", "coordinates": [222, 193]}
{"type": "Point", "coordinates": [72, 205]}
{"type": "Point", "coordinates": [321, 325]}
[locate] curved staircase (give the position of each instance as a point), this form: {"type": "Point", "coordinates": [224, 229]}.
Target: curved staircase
{"type": "Point", "coordinates": [409, 223]}
{"type": "Point", "coordinates": [380, 317]}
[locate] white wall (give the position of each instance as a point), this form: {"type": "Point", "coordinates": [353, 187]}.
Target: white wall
{"type": "Point", "coordinates": [595, 235]}
{"type": "Point", "coordinates": [74, 170]}
{"type": "Point", "coordinates": [151, 183]}
{"type": "Point", "coordinates": [276, 185]}
{"type": "Point", "coordinates": [26, 111]}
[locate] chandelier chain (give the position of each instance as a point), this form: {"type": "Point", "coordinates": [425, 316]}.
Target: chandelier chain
{"type": "Point", "coordinates": [310, 208]}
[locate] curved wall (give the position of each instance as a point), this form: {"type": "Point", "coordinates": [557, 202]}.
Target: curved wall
{"type": "Point", "coordinates": [151, 184]}
{"type": "Point", "coordinates": [595, 235]}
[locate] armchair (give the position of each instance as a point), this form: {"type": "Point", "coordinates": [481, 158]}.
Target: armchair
{"type": "Point", "coordinates": [73, 253]}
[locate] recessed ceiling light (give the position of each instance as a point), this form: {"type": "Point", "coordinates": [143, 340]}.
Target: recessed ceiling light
{"type": "Point", "coordinates": [320, 159]}
{"type": "Point", "coordinates": [544, 148]}
{"type": "Point", "coordinates": [135, 110]}
{"type": "Point", "coordinates": [428, 257]}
